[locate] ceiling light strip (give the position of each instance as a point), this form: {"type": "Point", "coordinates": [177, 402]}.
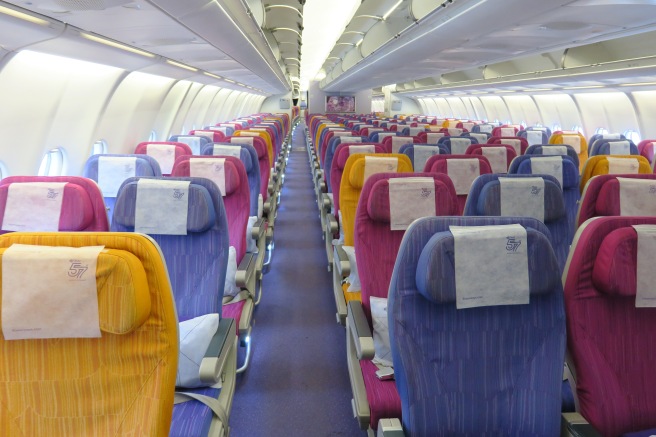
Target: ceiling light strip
{"type": "Point", "coordinates": [180, 65]}
{"type": "Point", "coordinates": [116, 45]}
{"type": "Point", "coordinates": [23, 16]}
{"type": "Point", "coordinates": [388, 13]}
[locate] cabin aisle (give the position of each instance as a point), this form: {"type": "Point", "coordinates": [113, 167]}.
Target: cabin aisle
{"type": "Point", "coordinates": [297, 383]}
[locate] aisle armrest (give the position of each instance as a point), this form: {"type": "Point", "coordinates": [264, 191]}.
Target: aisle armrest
{"type": "Point", "coordinates": [216, 357]}
{"type": "Point", "coordinates": [341, 261]}
{"type": "Point", "coordinates": [390, 428]}
{"type": "Point", "coordinates": [575, 425]}
{"type": "Point", "coordinates": [246, 272]}
{"type": "Point", "coordinates": [326, 202]}
{"type": "Point", "coordinates": [332, 226]}
{"type": "Point", "coordinates": [258, 230]}
{"type": "Point", "coordinates": [360, 331]}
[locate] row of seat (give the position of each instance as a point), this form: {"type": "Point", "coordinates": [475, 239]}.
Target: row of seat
{"type": "Point", "coordinates": [378, 195]}
{"type": "Point", "coordinates": [173, 292]}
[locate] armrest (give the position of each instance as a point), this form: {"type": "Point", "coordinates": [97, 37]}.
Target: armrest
{"type": "Point", "coordinates": [341, 262]}
{"type": "Point", "coordinates": [258, 229]}
{"type": "Point", "coordinates": [360, 331]}
{"type": "Point", "coordinates": [246, 270]}
{"type": "Point", "coordinates": [318, 174]}
{"type": "Point", "coordinates": [331, 224]}
{"type": "Point", "coordinates": [216, 357]}
{"type": "Point", "coordinates": [575, 425]}
{"type": "Point", "coordinates": [390, 428]}
{"type": "Point", "coordinates": [326, 202]}
{"type": "Point", "coordinates": [271, 187]}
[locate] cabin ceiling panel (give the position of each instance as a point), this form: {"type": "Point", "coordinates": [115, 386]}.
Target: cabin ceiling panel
{"type": "Point", "coordinates": [472, 33]}
{"type": "Point", "coordinates": [182, 31]}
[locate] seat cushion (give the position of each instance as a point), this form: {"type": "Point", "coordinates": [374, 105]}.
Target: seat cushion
{"type": "Point", "coordinates": [193, 418]}
{"type": "Point", "coordinates": [233, 311]}
{"type": "Point", "coordinates": [384, 400]}
{"type": "Point", "coordinates": [351, 295]}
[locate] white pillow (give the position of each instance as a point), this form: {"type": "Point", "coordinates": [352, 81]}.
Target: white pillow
{"type": "Point", "coordinates": [260, 206]}
{"type": "Point", "coordinates": [230, 288]}
{"type": "Point", "coordinates": [383, 354]}
{"type": "Point", "coordinates": [195, 337]}
{"type": "Point", "coordinates": [251, 244]}
{"type": "Point", "coordinates": [353, 279]}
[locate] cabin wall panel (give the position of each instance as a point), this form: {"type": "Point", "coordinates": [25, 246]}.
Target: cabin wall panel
{"type": "Point", "coordinates": [558, 109]}
{"type": "Point", "coordinates": [495, 108]}
{"type": "Point", "coordinates": [132, 111]}
{"type": "Point", "coordinates": [57, 106]}
{"type": "Point", "coordinates": [196, 116]}
{"type": "Point", "coordinates": [231, 103]}
{"type": "Point", "coordinates": [458, 109]}
{"type": "Point", "coordinates": [272, 104]}
{"type": "Point", "coordinates": [645, 106]}
{"type": "Point", "coordinates": [522, 109]}
{"type": "Point", "coordinates": [443, 107]}
{"type": "Point", "coordinates": [179, 125]}
{"type": "Point", "coordinates": [163, 126]}
{"type": "Point", "coordinates": [613, 111]}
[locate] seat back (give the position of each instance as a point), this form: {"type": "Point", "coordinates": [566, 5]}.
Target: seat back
{"type": "Point", "coordinates": [165, 152]}
{"type": "Point", "coordinates": [564, 169]}
{"type": "Point", "coordinates": [646, 149]}
{"type": "Point", "coordinates": [462, 170]}
{"type": "Point", "coordinates": [115, 170]}
{"type": "Point", "coordinates": [212, 135]}
{"type": "Point", "coordinates": [534, 136]}
{"type": "Point", "coordinates": [357, 169]}
{"type": "Point", "coordinates": [196, 259]}
{"type": "Point", "coordinates": [609, 340]}
{"type": "Point", "coordinates": [419, 154]}
{"type": "Point", "coordinates": [236, 198]}
{"type": "Point", "coordinates": [613, 147]}
{"type": "Point", "coordinates": [618, 164]}
{"type": "Point", "coordinates": [519, 144]}
{"type": "Point", "coordinates": [504, 131]}
{"type": "Point", "coordinates": [263, 136]}
{"type": "Point", "coordinates": [342, 154]}
{"type": "Point", "coordinates": [124, 381]}
{"type": "Point", "coordinates": [376, 244]}
{"type": "Point", "coordinates": [51, 203]}
{"type": "Point", "coordinates": [457, 145]}
{"type": "Point", "coordinates": [554, 149]}
{"type": "Point", "coordinates": [486, 198]}
{"type": "Point", "coordinates": [483, 128]}
{"type": "Point", "coordinates": [248, 156]}
{"type": "Point", "coordinates": [495, 155]}
{"type": "Point", "coordinates": [195, 142]}
{"type": "Point", "coordinates": [331, 154]}
{"type": "Point", "coordinates": [475, 371]}
{"type": "Point", "coordinates": [593, 139]}
{"type": "Point", "coordinates": [618, 195]}
{"type": "Point", "coordinates": [263, 160]}
{"type": "Point", "coordinates": [576, 140]}
{"type": "Point", "coordinates": [393, 144]}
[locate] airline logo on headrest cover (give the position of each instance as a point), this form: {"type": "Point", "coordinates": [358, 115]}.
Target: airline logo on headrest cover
{"type": "Point", "coordinates": [512, 244]}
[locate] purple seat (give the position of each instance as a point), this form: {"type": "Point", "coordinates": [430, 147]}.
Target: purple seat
{"type": "Point", "coordinates": [197, 263]}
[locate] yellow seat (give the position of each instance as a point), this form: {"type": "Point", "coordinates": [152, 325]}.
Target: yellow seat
{"type": "Point", "coordinates": [564, 138]}
{"type": "Point", "coordinates": [598, 165]}
{"type": "Point", "coordinates": [264, 135]}
{"type": "Point", "coordinates": [122, 383]}
{"type": "Point", "coordinates": [349, 194]}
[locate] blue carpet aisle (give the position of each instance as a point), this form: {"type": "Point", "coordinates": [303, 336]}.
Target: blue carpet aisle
{"type": "Point", "coordinates": [297, 383]}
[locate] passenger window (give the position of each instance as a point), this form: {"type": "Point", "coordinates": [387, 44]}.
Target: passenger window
{"type": "Point", "coordinates": [578, 129]}
{"type": "Point", "coordinates": [153, 136]}
{"type": "Point", "coordinates": [632, 135]}
{"type": "Point", "coordinates": [52, 163]}
{"type": "Point", "coordinates": [3, 170]}
{"type": "Point", "coordinates": [601, 131]}
{"type": "Point", "coordinates": [99, 148]}
{"type": "Point", "coordinates": [556, 127]}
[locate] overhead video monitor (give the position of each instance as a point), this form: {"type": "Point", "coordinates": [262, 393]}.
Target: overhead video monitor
{"type": "Point", "coordinates": [340, 104]}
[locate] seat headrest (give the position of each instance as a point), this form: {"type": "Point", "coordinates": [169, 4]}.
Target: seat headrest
{"type": "Point", "coordinates": [77, 212]}
{"type": "Point", "coordinates": [232, 182]}
{"type": "Point", "coordinates": [570, 170]}
{"type": "Point", "coordinates": [356, 176]}
{"type": "Point", "coordinates": [201, 215]}
{"type": "Point", "coordinates": [343, 153]}
{"type": "Point", "coordinates": [435, 276]}
{"type": "Point", "coordinates": [378, 205]}
{"type": "Point", "coordinates": [614, 271]}
{"type": "Point", "coordinates": [489, 201]}
{"type": "Point", "coordinates": [123, 295]}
